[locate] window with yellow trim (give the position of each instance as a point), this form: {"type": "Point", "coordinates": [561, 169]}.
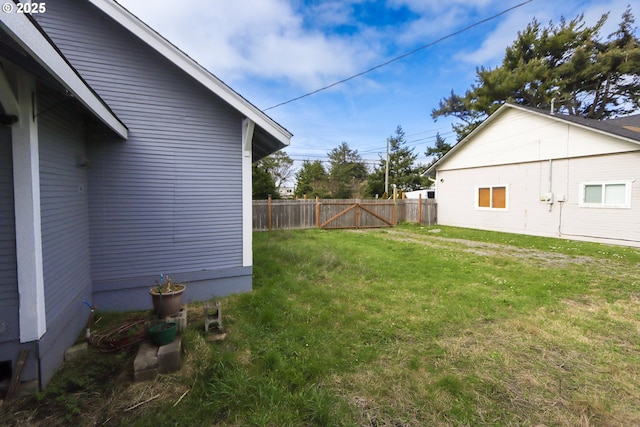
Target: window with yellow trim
{"type": "Point", "coordinates": [492, 197]}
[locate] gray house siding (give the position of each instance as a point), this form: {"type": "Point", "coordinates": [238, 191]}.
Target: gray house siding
{"type": "Point", "coordinates": [167, 200]}
{"type": "Point", "coordinates": [65, 226]}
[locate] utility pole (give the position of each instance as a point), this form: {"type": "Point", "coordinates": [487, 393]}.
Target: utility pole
{"type": "Point", "coordinates": [386, 172]}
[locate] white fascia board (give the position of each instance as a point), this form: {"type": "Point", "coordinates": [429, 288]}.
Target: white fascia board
{"type": "Point", "coordinates": [22, 30]}
{"type": "Point", "coordinates": [191, 67]}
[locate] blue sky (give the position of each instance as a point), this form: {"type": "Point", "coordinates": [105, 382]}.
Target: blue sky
{"type": "Point", "coordinates": [271, 51]}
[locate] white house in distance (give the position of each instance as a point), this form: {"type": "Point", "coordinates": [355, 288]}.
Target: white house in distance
{"type": "Point", "coordinates": [286, 192]}
{"type": "Point", "coordinates": [534, 172]}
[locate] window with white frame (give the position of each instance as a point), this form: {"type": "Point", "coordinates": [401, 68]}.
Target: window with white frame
{"type": "Point", "coordinates": [607, 194]}
{"type": "Point", "coordinates": [491, 197]}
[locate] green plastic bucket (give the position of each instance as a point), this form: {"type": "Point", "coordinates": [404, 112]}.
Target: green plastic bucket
{"type": "Point", "coordinates": [163, 333]}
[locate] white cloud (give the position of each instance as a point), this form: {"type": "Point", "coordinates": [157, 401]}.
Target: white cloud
{"type": "Point", "coordinates": [330, 13]}
{"type": "Point", "coordinates": [294, 46]}
{"type": "Point", "coordinates": [492, 50]}
{"type": "Point", "coordinates": [438, 18]}
{"type": "Point", "coordinates": [439, 6]}
{"type": "Point", "coordinates": [254, 38]}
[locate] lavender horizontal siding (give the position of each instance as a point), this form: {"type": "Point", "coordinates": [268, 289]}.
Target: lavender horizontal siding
{"type": "Point", "coordinates": [64, 207]}
{"type": "Point", "coordinates": [202, 285]}
{"type": "Point", "coordinates": [9, 319]}
{"type": "Point", "coordinates": [169, 198]}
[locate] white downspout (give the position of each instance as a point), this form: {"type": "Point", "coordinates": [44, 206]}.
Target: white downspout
{"type": "Point", "coordinates": [550, 192]}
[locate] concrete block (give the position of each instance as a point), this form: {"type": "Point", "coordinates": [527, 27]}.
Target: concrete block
{"type": "Point", "coordinates": [179, 318]}
{"type": "Point", "coordinates": [170, 356]}
{"type": "Point", "coordinates": [76, 351]}
{"type": "Point", "coordinates": [147, 356]}
{"type": "Point", "coordinates": [212, 315]}
{"type": "Point", "coordinates": [145, 365]}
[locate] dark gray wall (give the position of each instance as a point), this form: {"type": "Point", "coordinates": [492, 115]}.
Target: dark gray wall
{"type": "Point", "coordinates": [167, 200]}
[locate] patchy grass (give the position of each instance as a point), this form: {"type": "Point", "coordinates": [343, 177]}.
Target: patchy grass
{"type": "Point", "coordinates": [397, 327]}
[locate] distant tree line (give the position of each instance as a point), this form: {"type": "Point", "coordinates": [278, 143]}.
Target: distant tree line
{"type": "Point", "coordinates": [346, 174]}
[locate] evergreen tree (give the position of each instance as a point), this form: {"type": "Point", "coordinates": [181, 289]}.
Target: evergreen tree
{"type": "Point", "coordinates": [262, 184]}
{"type": "Point", "coordinates": [568, 62]}
{"type": "Point", "coordinates": [439, 149]}
{"type": "Point", "coordinates": [346, 171]}
{"type": "Point", "coordinates": [312, 180]}
{"type": "Point", "coordinates": [402, 171]}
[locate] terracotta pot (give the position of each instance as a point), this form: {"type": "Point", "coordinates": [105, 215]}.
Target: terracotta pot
{"type": "Point", "coordinates": [167, 304]}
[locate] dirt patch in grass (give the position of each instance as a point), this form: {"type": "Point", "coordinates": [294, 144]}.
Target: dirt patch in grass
{"type": "Point", "coordinates": [491, 249]}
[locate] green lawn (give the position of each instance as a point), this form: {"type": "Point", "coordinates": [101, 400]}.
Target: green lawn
{"type": "Point", "coordinates": [406, 327]}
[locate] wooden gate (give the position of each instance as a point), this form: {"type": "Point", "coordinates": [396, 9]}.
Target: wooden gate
{"type": "Point", "coordinates": [356, 214]}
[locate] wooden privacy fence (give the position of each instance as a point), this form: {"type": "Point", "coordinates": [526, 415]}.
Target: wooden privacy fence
{"type": "Point", "coordinates": [343, 213]}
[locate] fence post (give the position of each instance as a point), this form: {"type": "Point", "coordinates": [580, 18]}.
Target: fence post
{"type": "Point", "coordinates": [395, 206]}
{"type": "Point", "coordinates": [269, 212]}
{"type": "Point", "coordinates": [304, 211]}
{"type": "Point", "coordinates": [419, 208]}
{"type": "Point", "coordinates": [403, 200]}
{"type": "Point", "coordinates": [317, 212]}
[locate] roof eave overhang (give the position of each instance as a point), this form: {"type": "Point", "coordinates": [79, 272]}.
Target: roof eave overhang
{"type": "Point", "coordinates": [191, 67]}
{"type": "Point", "coordinates": [25, 33]}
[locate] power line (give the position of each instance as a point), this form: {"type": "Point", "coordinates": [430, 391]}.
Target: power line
{"type": "Point", "coordinates": [379, 149]}
{"type": "Point", "coordinates": [397, 58]}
